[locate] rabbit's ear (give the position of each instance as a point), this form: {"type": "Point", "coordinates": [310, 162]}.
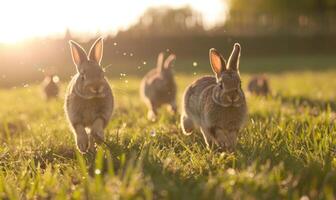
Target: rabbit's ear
{"type": "Point", "coordinates": [159, 62]}
{"type": "Point", "coordinates": [233, 62]}
{"type": "Point", "coordinates": [168, 62]}
{"type": "Point", "coordinates": [78, 53]}
{"type": "Point", "coordinates": [96, 51]}
{"type": "Point", "coordinates": [217, 62]}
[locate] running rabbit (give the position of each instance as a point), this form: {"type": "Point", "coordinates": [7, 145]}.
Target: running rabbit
{"type": "Point", "coordinates": [259, 85]}
{"type": "Point", "coordinates": [89, 100]}
{"type": "Point", "coordinates": [158, 87]}
{"type": "Point", "coordinates": [216, 105]}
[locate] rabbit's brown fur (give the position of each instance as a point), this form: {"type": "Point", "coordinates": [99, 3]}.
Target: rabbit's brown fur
{"type": "Point", "coordinates": [50, 87]}
{"type": "Point", "coordinates": [89, 100]}
{"type": "Point", "coordinates": [216, 105]}
{"type": "Point", "coordinates": [158, 86]}
{"type": "Point", "coordinates": [259, 85]}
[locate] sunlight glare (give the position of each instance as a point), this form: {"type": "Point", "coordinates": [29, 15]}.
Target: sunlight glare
{"type": "Point", "coordinates": [39, 18]}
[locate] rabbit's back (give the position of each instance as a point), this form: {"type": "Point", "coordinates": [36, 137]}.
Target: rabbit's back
{"type": "Point", "coordinates": [258, 86]}
{"type": "Point", "coordinates": [158, 88]}
{"type": "Point", "coordinates": [253, 85]}
{"type": "Point", "coordinates": [51, 90]}
{"type": "Point", "coordinates": [195, 94]}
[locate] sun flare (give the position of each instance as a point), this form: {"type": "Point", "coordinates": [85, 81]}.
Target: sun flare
{"type": "Point", "coordinates": [38, 18]}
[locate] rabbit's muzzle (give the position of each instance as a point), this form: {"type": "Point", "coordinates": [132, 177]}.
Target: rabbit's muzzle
{"type": "Point", "coordinates": [232, 98]}
{"type": "Point", "coordinates": [96, 89]}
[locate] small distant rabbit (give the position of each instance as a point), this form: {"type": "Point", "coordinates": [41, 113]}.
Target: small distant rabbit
{"type": "Point", "coordinates": [259, 85]}
{"type": "Point", "coordinates": [158, 87]}
{"type": "Point", "coordinates": [89, 100]}
{"type": "Point", "coordinates": [216, 105]}
{"type": "Point", "coordinates": [50, 86]}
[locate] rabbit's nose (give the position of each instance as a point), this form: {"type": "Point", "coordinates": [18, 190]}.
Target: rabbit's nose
{"type": "Point", "coordinates": [233, 98]}
{"type": "Point", "coordinates": [97, 89]}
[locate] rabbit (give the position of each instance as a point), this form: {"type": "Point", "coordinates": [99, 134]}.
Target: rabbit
{"type": "Point", "coordinates": [217, 104]}
{"type": "Point", "coordinates": [89, 99]}
{"type": "Point", "coordinates": [259, 85]}
{"type": "Point", "coordinates": [158, 86]}
{"type": "Point", "coordinates": [50, 87]}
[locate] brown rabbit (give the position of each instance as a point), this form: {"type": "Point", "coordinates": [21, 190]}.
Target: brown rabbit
{"type": "Point", "coordinates": [50, 87]}
{"type": "Point", "coordinates": [259, 85]}
{"type": "Point", "coordinates": [158, 87]}
{"type": "Point", "coordinates": [89, 100]}
{"type": "Point", "coordinates": [216, 105]}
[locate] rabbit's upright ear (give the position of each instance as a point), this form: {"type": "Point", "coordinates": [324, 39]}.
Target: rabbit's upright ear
{"type": "Point", "coordinates": [233, 62]}
{"type": "Point", "coordinates": [159, 62]}
{"type": "Point", "coordinates": [169, 61]}
{"type": "Point", "coordinates": [78, 53]}
{"type": "Point", "coordinates": [96, 51]}
{"type": "Point", "coordinates": [218, 64]}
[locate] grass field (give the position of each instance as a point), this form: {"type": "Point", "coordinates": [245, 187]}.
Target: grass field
{"type": "Point", "coordinates": [286, 151]}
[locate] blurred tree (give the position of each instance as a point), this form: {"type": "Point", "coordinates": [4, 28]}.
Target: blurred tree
{"type": "Point", "coordinates": [281, 16]}
{"type": "Point", "coordinates": [277, 6]}
{"type": "Point", "coordinates": [166, 21]}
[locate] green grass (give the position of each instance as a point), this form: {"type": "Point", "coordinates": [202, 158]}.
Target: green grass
{"type": "Point", "coordinates": [287, 149]}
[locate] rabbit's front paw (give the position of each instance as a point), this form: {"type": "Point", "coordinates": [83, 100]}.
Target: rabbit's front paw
{"type": "Point", "coordinates": [98, 135]}
{"type": "Point", "coordinates": [82, 142]}
{"type": "Point", "coordinates": [97, 131]}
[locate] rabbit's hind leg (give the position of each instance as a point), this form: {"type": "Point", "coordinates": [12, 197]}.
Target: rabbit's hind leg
{"type": "Point", "coordinates": [187, 125]}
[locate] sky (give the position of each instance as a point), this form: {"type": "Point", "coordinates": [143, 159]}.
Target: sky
{"type": "Point", "coordinates": [23, 19]}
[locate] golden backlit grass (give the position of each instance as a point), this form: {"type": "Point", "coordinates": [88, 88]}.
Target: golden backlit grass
{"type": "Point", "coordinates": [287, 150]}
